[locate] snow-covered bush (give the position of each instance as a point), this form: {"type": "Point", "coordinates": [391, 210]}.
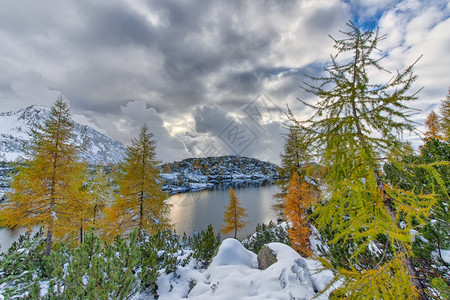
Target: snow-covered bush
{"type": "Point", "coordinates": [94, 270]}
{"type": "Point", "coordinates": [21, 265]}
{"type": "Point", "coordinates": [266, 234]}
{"type": "Point", "coordinates": [159, 254]}
{"type": "Point", "coordinates": [204, 246]}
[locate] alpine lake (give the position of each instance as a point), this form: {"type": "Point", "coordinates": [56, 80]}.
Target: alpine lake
{"type": "Point", "coordinates": [193, 211]}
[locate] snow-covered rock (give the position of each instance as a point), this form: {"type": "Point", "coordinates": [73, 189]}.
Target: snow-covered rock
{"type": "Point", "coordinates": [233, 274]}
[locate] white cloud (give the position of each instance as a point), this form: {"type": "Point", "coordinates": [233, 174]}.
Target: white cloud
{"type": "Point", "coordinates": [126, 125]}
{"type": "Point", "coordinates": [414, 29]}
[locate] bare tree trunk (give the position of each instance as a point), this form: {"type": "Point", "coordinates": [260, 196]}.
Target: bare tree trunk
{"type": "Point", "coordinates": [49, 241]}
{"type": "Point", "coordinates": [141, 210]}
{"type": "Point", "coordinates": [81, 232]}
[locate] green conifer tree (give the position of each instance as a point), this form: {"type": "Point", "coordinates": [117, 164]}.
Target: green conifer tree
{"type": "Point", "coordinates": [205, 245]}
{"type": "Point", "coordinates": [123, 261]}
{"type": "Point", "coordinates": [140, 202]}
{"type": "Point", "coordinates": [356, 125]}
{"type": "Point", "coordinates": [415, 173]}
{"type": "Point", "coordinates": [445, 116]}
{"type": "Point", "coordinates": [48, 180]}
{"type": "Point", "coordinates": [20, 264]}
{"type": "Point", "coordinates": [292, 161]}
{"type": "Point", "coordinates": [86, 271]}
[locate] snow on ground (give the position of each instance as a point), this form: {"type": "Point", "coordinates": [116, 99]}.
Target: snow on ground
{"type": "Point", "coordinates": [169, 176]}
{"type": "Point", "coordinates": [234, 274]}
{"type": "Point", "coordinates": [196, 177]}
{"type": "Point", "coordinates": [445, 255]}
{"type": "Point", "coordinates": [12, 156]}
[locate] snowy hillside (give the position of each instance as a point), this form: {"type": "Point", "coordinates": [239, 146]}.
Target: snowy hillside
{"type": "Point", "coordinates": [234, 274]}
{"type": "Point", "coordinates": [14, 128]}
{"type": "Point", "coordinates": [200, 173]}
{"type": "Point", "coordinates": [193, 268]}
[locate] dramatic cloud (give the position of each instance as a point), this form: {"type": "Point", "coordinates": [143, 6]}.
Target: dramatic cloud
{"type": "Point", "coordinates": [127, 123]}
{"type": "Point", "coordinates": [189, 68]}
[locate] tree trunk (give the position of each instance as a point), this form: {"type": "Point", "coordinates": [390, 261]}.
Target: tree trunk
{"type": "Point", "coordinates": [49, 241]}
{"type": "Point", "coordinates": [141, 210]}
{"type": "Point", "coordinates": [81, 233]}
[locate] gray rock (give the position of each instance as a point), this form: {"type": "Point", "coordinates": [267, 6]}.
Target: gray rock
{"type": "Point", "coordinates": [266, 257]}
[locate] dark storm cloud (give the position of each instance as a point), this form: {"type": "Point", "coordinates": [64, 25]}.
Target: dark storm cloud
{"type": "Point", "coordinates": [192, 53]}
{"type": "Point", "coordinates": [242, 134]}
{"type": "Point", "coordinates": [211, 119]}
{"type": "Point", "coordinates": [113, 25]}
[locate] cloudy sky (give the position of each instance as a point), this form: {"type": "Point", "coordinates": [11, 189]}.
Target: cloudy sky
{"type": "Point", "coordinates": [208, 77]}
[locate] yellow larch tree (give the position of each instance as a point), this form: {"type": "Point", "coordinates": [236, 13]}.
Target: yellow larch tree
{"type": "Point", "coordinates": [100, 195]}
{"type": "Point", "coordinates": [140, 201]}
{"type": "Point", "coordinates": [433, 126]}
{"type": "Point", "coordinates": [234, 215]}
{"type": "Point", "coordinates": [43, 192]}
{"type": "Point", "coordinates": [76, 214]}
{"type": "Point", "coordinates": [298, 200]}
{"type": "Point", "coordinates": [86, 207]}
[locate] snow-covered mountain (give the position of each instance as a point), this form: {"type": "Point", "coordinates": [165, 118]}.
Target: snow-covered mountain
{"type": "Point", "coordinates": [14, 128]}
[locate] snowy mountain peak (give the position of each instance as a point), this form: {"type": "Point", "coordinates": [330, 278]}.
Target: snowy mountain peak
{"type": "Point", "coordinates": [29, 113]}
{"type": "Point", "coordinates": [14, 128]}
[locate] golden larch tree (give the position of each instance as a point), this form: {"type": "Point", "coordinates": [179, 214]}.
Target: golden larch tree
{"type": "Point", "coordinates": [87, 205]}
{"type": "Point", "coordinates": [77, 212]}
{"type": "Point", "coordinates": [100, 195]}
{"type": "Point", "coordinates": [140, 201]}
{"type": "Point", "coordinates": [298, 199]}
{"type": "Point", "coordinates": [234, 215]}
{"type": "Point", "coordinates": [43, 191]}
{"type": "Point", "coordinates": [433, 126]}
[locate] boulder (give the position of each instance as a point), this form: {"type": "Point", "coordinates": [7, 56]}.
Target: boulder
{"type": "Point", "coordinates": [266, 257]}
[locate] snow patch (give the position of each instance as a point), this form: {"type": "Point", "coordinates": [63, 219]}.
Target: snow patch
{"type": "Point", "coordinates": [233, 274]}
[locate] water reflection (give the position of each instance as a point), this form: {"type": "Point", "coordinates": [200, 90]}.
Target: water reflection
{"type": "Point", "coordinates": [8, 237]}
{"type": "Point", "coordinates": [195, 211]}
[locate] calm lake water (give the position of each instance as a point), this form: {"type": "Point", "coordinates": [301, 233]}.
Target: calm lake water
{"type": "Point", "coordinates": [194, 211]}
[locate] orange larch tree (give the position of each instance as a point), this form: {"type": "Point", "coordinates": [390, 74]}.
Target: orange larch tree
{"type": "Point", "coordinates": [297, 201]}
{"type": "Point", "coordinates": [234, 215]}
